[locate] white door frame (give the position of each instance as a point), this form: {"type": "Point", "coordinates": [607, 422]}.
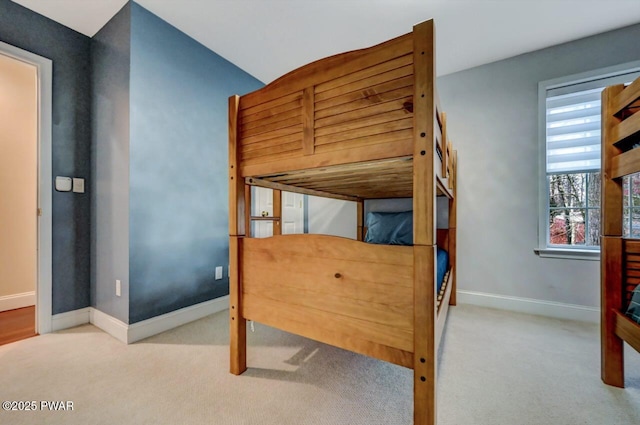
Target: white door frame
{"type": "Point", "coordinates": [44, 279]}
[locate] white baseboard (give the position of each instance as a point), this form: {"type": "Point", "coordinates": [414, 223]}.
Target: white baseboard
{"type": "Point", "coordinates": [70, 319]}
{"type": "Point", "coordinates": [141, 330]}
{"type": "Point", "coordinates": [531, 306]}
{"type": "Point", "coordinates": [114, 327]}
{"type": "Point", "coordinates": [158, 324]}
{"type": "Point", "coordinates": [11, 302]}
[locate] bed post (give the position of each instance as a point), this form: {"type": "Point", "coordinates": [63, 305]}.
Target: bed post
{"type": "Point", "coordinates": [360, 220]}
{"type": "Point", "coordinates": [277, 212]}
{"type": "Point", "coordinates": [453, 219]}
{"type": "Point", "coordinates": [237, 220]}
{"type": "Point", "coordinates": [612, 356]}
{"type": "Point", "coordinates": [424, 228]}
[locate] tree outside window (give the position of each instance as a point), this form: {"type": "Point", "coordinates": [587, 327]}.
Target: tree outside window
{"type": "Point", "coordinates": [574, 209]}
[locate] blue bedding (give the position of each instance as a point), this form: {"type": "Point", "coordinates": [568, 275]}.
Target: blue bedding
{"type": "Point", "coordinates": [390, 228]}
{"type": "Point", "coordinates": [442, 261]}
{"type": "Point", "coordinates": [397, 229]}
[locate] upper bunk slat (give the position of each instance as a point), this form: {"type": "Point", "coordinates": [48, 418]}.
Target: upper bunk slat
{"type": "Point", "coordinates": [328, 69]}
{"type": "Point", "coordinates": [330, 144]}
{"type": "Point", "coordinates": [622, 128]}
{"type": "Point", "coordinates": [629, 128]}
{"type": "Point", "coordinates": [364, 128]}
{"type": "Point", "coordinates": [625, 163]}
{"type": "Point", "coordinates": [395, 74]}
{"type": "Point", "coordinates": [391, 90]}
{"type": "Point", "coordinates": [375, 112]}
{"type": "Point", "coordinates": [320, 159]}
{"type": "Point", "coordinates": [627, 98]}
{"type": "Point", "coordinates": [391, 66]}
{"type": "Point", "coordinates": [252, 122]}
{"type": "Point", "coordinates": [276, 105]}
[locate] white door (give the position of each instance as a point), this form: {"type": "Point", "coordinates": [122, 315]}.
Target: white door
{"type": "Point", "coordinates": [292, 212]}
{"type": "Point", "coordinates": [261, 204]}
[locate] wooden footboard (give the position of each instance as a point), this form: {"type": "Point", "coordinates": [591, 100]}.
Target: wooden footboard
{"type": "Point", "coordinates": [346, 293]}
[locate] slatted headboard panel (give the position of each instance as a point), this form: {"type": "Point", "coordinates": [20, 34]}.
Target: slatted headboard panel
{"type": "Point", "coordinates": [360, 99]}
{"type": "Point", "coordinates": [631, 273]}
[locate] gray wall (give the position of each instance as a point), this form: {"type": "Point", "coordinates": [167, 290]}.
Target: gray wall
{"type": "Point", "coordinates": [110, 54]}
{"type": "Point", "coordinates": [178, 167]}
{"type": "Point", "coordinates": [71, 137]}
{"type": "Point", "coordinates": [332, 217]}
{"type": "Point", "coordinates": [492, 116]}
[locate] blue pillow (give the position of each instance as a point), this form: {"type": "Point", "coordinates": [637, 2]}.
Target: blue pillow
{"type": "Point", "coordinates": [442, 263]}
{"type": "Point", "coordinates": [390, 228]}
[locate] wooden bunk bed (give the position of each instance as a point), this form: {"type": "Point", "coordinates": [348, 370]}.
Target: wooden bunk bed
{"type": "Point", "coordinates": [366, 124]}
{"type": "Point", "coordinates": [620, 256]}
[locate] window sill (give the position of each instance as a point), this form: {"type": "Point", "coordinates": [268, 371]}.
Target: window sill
{"type": "Point", "coordinates": [569, 254]}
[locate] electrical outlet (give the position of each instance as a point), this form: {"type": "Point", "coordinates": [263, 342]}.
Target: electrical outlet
{"type": "Point", "coordinates": [118, 288]}
{"type": "Point", "coordinates": [218, 272]}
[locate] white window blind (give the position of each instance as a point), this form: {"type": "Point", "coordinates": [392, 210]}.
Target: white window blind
{"type": "Point", "coordinates": [573, 124]}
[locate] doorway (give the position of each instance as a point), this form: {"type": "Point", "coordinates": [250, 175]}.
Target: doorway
{"type": "Point", "coordinates": [25, 187]}
{"type": "Point", "coordinates": [292, 220]}
{"type": "Point", "coordinates": [19, 192]}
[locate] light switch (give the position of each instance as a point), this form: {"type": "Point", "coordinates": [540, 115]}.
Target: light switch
{"type": "Point", "coordinates": [78, 185]}
{"type": "Point", "coordinates": [63, 184]}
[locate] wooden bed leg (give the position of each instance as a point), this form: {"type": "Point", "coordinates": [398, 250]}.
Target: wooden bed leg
{"type": "Point", "coordinates": [360, 220]}
{"type": "Point", "coordinates": [425, 351]}
{"type": "Point", "coordinates": [611, 301]}
{"type": "Point", "coordinates": [238, 330]}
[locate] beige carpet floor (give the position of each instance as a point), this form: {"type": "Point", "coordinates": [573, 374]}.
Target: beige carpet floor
{"type": "Point", "coordinates": [496, 368]}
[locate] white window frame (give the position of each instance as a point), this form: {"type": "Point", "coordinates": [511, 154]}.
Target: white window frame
{"type": "Point", "coordinates": [544, 249]}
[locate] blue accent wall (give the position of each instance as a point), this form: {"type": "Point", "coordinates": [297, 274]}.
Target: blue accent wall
{"type": "Point", "coordinates": [178, 198]}
{"type": "Point", "coordinates": [71, 137]}
{"type": "Point", "coordinates": [110, 59]}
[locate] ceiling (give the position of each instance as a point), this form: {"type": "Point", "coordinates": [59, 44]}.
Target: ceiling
{"type": "Point", "coordinates": [269, 38]}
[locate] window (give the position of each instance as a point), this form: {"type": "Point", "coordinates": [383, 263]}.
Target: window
{"type": "Point", "coordinates": [631, 206]}
{"type": "Point", "coordinates": [570, 163]}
